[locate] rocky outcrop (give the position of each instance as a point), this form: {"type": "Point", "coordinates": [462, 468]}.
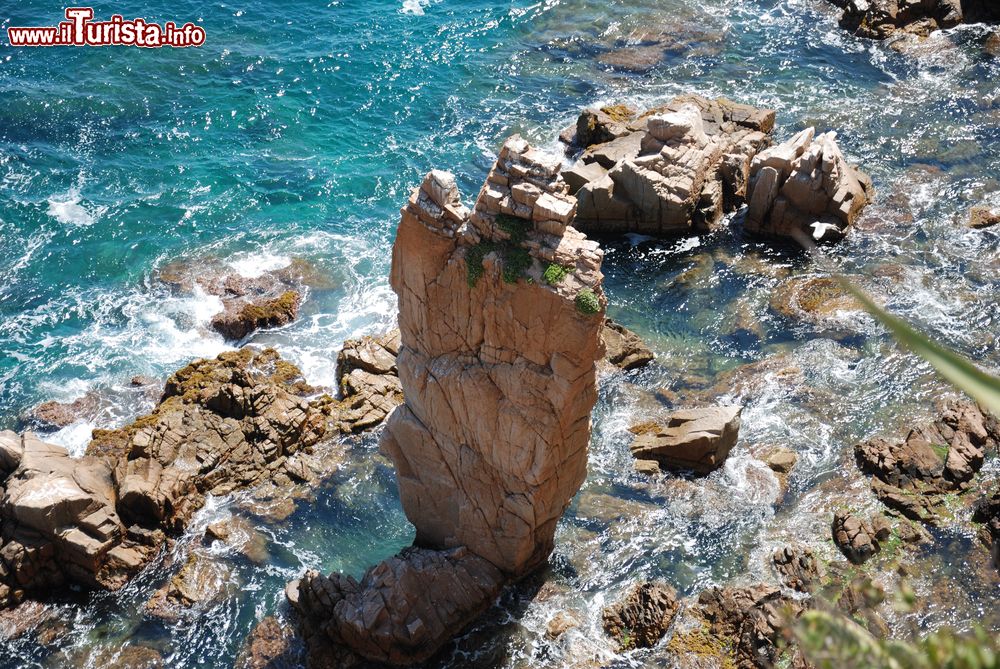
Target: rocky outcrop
{"type": "Point", "coordinates": [266, 300]}
{"type": "Point", "coordinates": [697, 440]}
{"type": "Point", "coordinates": [369, 383]}
{"type": "Point", "coordinates": [625, 350]}
{"type": "Point", "coordinates": [751, 618]}
{"type": "Point", "coordinates": [676, 169]}
{"type": "Point", "coordinates": [642, 617]}
{"type": "Point", "coordinates": [858, 539]}
{"type": "Point", "coordinates": [240, 318]}
{"type": "Point", "coordinates": [797, 567]}
{"type": "Point", "coordinates": [987, 513]}
{"type": "Point", "coordinates": [912, 476]}
{"type": "Point", "coordinates": [882, 19]}
{"type": "Point", "coordinates": [202, 581]}
{"type": "Point", "coordinates": [271, 645]}
{"type": "Point", "coordinates": [60, 521]}
{"type": "Point", "coordinates": [54, 415]}
{"type": "Point", "coordinates": [497, 364]}
{"type": "Point", "coordinates": [805, 187]}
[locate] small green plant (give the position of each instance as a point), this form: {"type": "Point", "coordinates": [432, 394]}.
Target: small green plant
{"type": "Point", "coordinates": [626, 642]}
{"type": "Point", "coordinates": [474, 257]}
{"type": "Point", "coordinates": [554, 273]}
{"type": "Point", "coordinates": [516, 262]}
{"type": "Point", "coordinates": [587, 302]}
{"type": "Point", "coordinates": [941, 450]}
{"type": "Point", "coordinates": [517, 228]}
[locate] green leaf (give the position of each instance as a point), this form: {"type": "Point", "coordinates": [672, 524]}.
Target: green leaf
{"type": "Point", "coordinates": [982, 387]}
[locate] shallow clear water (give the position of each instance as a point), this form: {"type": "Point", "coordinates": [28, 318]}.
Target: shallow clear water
{"type": "Point", "coordinates": [298, 131]}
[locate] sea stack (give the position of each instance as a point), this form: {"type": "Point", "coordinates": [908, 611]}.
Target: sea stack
{"type": "Point", "coordinates": [500, 313]}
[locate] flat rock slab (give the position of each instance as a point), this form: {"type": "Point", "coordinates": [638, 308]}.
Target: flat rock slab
{"type": "Point", "coordinates": [698, 440]}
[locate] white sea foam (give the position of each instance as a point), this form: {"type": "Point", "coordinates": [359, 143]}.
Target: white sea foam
{"type": "Point", "coordinates": [67, 209]}
{"type": "Point", "coordinates": [414, 7]}
{"type": "Point", "coordinates": [253, 265]}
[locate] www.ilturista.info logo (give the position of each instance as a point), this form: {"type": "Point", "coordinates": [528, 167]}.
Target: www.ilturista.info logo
{"type": "Point", "coordinates": [80, 30]}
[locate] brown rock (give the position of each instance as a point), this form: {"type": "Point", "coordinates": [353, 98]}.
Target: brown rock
{"type": "Point", "coordinates": [882, 19]}
{"type": "Point", "coordinates": [202, 581]}
{"type": "Point", "coordinates": [805, 189]}
{"type": "Point", "coordinates": [992, 45]}
{"type": "Point", "coordinates": [752, 619]}
{"type": "Point", "coordinates": [642, 617]}
{"type": "Point", "coordinates": [559, 624]}
{"type": "Point", "coordinates": [270, 646]}
{"type": "Point", "coordinates": [798, 567]}
{"type": "Point", "coordinates": [814, 300]}
{"type": "Point", "coordinates": [678, 170]}
{"type": "Point", "coordinates": [697, 439]}
{"type": "Point", "coordinates": [499, 377]}
{"type": "Point", "coordinates": [240, 534]}
{"type": "Point", "coordinates": [369, 383]}
{"type": "Point", "coordinates": [57, 415]}
{"type": "Point", "coordinates": [987, 513]}
{"type": "Point", "coordinates": [983, 217]}
{"type": "Point", "coordinates": [624, 348]}
{"type": "Point", "coordinates": [855, 537]}
{"type": "Point", "coordinates": [240, 318]}
{"type": "Point", "coordinates": [781, 460]}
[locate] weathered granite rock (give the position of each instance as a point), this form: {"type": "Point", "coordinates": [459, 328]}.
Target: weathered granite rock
{"type": "Point", "coordinates": [696, 439]}
{"type": "Point", "coordinates": [912, 475]}
{"type": "Point", "coordinates": [815, 300]}
{"type": "Point", "coordinates": [498, 368]}
{"type": "Point", "coordinates": [240, 535]}
{"type": "Point", "coordinates": [679, 170]}
{"type": "Point", "coordinates": [559, 624]}
{"type": "Point", "coordinates": [625, 349]}
{"type": "Point", "coordinates": [404, 608]}
{"type": "Point", "coordinates": [642, 617]}
{"type": "Point", "coordinates": [60, 521]}
{"type": "Point", "coordinates": [881, 19]}
{"type": "Point", "coordinates": [781, 460]}
{"type": "Point", "coordinates": [857, 538]}
{"type": "Point", "coordinates": [983, 217]}
{"type": "Point", "coordinates": [805, 187]}
{"type": "Point", "coordinates": [243, 317]}
{"type": "Point", "coordinates": [987, 512]}
{"type": "Point", "coordinates": [221, 425]}
{"type": "Point", "coordinates": [369, 383]}
{"type": "Point", "coordinates": [798, 567]}
{"type": "Point", "coordinates": [751, 618]}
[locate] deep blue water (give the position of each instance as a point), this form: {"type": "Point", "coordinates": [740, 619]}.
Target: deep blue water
{"type": "Point", "coordinates": [298, 130]}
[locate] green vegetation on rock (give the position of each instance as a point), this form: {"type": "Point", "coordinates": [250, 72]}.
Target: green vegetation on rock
{"type": "Point", "coordinates": [554, 273]}
{"type": "Point", "coordinates": [514, 258]}
{"type": "Point", "coordinates": [587, 302]}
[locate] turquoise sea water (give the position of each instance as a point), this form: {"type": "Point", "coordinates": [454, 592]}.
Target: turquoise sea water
{"type": "Point", "coordinates": [299, 129]}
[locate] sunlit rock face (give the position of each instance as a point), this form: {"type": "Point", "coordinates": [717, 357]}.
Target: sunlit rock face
{"type": "Point", "coordinates": [500, 314]}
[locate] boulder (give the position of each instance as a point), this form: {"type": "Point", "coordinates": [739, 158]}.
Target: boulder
{"type": "Point", "coordinates": [805, 189]}
{"type": "Point", "coordinates": [271, 645]}
{"type": "Point", "coordinates": [498, 370]}
{"type": "Point", "coordinates": [559, 624]}
{"type": "Point", "coordinates": [983, 217]}
{"type": "Point", "coordinates": [797, 567]}
{"type": "Point", "coordinates": [201, 582]}
{"type": "Point", "coordinates": [814, 300]}
{"type": "Point", "coordinates": [678, 169]}
{"type": "Point", "coordinates": [403, 609]}
{"type": "Point", "coordinates": [781, 460]}
{"type": "Point", "coordinates": [624, 348]}
{"type": "Point", "coordinates": [369, 382]}
{"type": "Point", "coordinates": [642, 617]}
{"type": "Point", "coordinates": [855, 537]}
{"type": "Point", "coordinates": [54, 415]}
{"type": "Point", "coordinates": [697, 440]}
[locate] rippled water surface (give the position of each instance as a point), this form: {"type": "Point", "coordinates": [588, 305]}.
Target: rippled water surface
{"type": "Point", "coordinates": [298, 131]}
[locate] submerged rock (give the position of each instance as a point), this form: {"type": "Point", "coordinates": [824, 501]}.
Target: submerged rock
{"type": "Point", "coordinates": [912, 475]}
{"type": "Point", "coordinates": [816, 300]}
{"type": "Point", "coordinates": [498, 369]}
{"type": "Point", "coordinates": [201, 582]}
{"type": "Point", "coordinates": [642, 617]}
{"type": "Point", "coordinates": [54, 415]}
{"type": "Point", "coordinates": [271, 645]}
{"type": "Point", "coordinates": [678, 170]}
{"type": "Point", "coordinates": [805, 188]}
{"type": "Point", "coordinates": [698, 440]}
